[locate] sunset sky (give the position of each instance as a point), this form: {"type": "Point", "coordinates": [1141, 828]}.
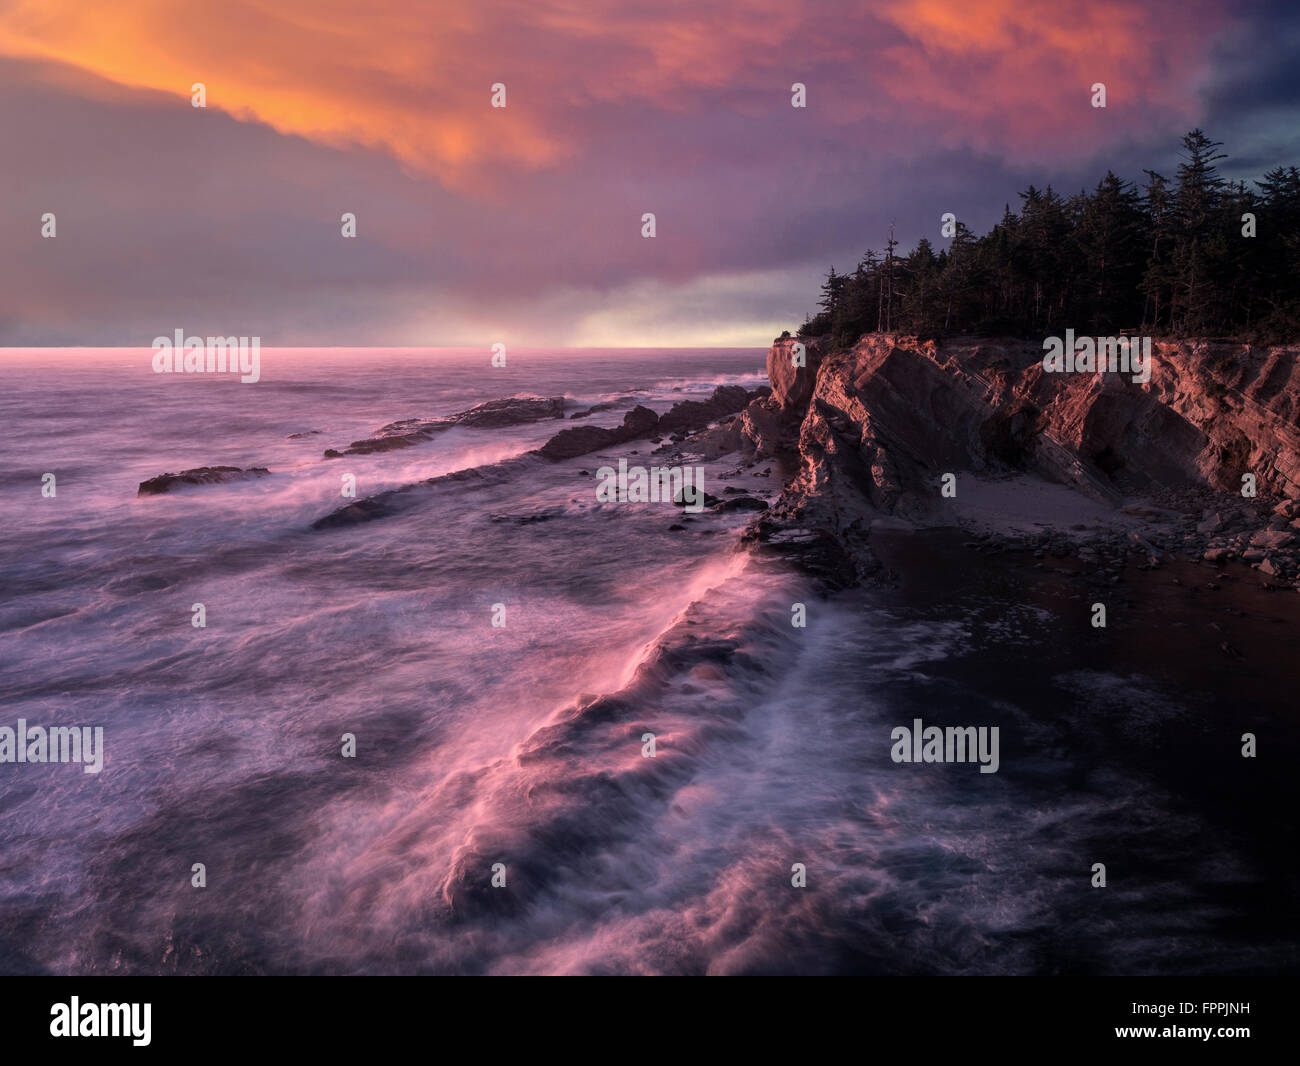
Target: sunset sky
{"type": "Point", "coordinates": [522, 224]}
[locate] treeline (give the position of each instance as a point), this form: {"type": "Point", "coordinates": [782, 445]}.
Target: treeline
{"type": "Point", "coordinates": [1169, 257]}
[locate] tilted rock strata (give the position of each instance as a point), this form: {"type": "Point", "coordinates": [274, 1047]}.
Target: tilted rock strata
{"type": "Point", "coordinates": [878, 424]}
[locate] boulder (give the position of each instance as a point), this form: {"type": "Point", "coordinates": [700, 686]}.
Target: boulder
{"type": "Point", "coordinates": [1272, 539]}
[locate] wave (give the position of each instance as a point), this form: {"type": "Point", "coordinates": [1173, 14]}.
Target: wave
{"type": "Point", "coordinates": [749, 379]}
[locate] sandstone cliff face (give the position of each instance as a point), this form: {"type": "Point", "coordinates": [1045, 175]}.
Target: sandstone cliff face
{"type": "Point", "coordinates": [792, 385]}
{"type": "Point", "coordinates": [881, 422]}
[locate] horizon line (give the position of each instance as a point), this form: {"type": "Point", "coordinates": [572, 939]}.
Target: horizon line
{"type": "Point", "coordinates": [394, 347]}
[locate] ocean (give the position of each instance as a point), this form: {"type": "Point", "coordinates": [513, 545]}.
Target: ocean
{"type": "Point", "coordinates": [516, 753]}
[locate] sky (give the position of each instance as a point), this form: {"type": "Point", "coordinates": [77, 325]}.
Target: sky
{"type": "Point", "coordinates": [523, 224]}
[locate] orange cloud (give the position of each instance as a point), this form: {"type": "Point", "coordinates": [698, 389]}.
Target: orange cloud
{"type": "Point", "coordinates": [1015, 71]}
{"type": "Point", "coordinates": [383, 75]}
{"type": "Point", "coordinates": [414, 79]}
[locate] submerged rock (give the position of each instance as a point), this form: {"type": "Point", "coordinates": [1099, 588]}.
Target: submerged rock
{"type": "Point", "coordinates": [741, 503]}
{"type": "Point", "coordinates": [593, 409]}
{"type": "Point", "coordinates": [201, 475]}
{"type": "Point", "coordinates": [494, 414]}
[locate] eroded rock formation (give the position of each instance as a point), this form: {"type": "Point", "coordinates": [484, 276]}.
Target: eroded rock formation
{"type": "Point", "coordinates": [878, 424]}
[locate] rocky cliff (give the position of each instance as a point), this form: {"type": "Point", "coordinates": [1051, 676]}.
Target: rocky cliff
{"type": "Point", "coordinates": [875, 428]}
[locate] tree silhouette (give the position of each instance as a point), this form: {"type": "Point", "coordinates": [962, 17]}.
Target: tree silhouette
{"type": "Point", "coordinates": [1173, 258]}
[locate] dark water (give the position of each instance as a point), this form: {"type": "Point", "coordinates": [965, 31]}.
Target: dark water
{"type": "Point", "coordinates": [522, 745]}
{"type": "Point", "coordinates": [1122, 746]}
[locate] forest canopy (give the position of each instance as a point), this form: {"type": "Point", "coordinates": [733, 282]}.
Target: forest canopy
{"type": "Point", "coordinates": [1167, 257]}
